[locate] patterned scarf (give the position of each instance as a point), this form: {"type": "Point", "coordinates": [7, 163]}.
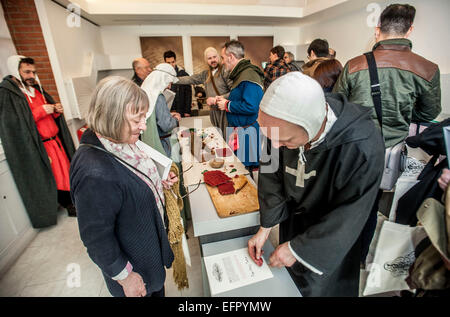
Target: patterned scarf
{"type": "Point", "coordinates": [139, 160]}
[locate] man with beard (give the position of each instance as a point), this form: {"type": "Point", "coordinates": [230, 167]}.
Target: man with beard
{"type": "Point", "coordinates": [216, 83]}
{"type": "Point", "coordinates": [242, 105]}
{"type": "Point", "coordinates": [36, 141]}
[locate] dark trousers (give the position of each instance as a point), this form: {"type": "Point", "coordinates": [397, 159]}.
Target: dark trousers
{"type": "Point", "coordinates": [251, 169]}
{"type": "Point", "coordinates": [369, 228]}
{"type": "Point", "coordinates": [64, 198]}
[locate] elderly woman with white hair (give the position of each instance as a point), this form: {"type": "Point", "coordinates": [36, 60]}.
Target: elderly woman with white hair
{"type": "Point", "coordinates": [154, 85]}
{"type": "Point", "coordinates": [119, 193]}
{"type": "Point", "coordinates": [217, 83]}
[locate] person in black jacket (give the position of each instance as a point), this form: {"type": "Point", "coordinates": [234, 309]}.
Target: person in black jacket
{"type": "Point", "coordinates": [430, 184]}
{"type": "Point", "coordinates": [320, 187]}
{"type": "Point", "coordinates": [121, 209]}
{"type": "Point", "coordinates": [183, 97]}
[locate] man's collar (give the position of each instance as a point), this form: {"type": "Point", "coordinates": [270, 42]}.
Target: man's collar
{"type": "Point", "coordinates": [239, 61]}
{"type": "Point", "coordinates": [398, 41]}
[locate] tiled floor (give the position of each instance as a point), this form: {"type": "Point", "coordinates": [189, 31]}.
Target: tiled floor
{"type": "Point", "coordinates": [46, 266]}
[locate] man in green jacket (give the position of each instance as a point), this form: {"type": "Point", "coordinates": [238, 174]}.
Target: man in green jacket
{"type": "Point", "coordinates": [409, 84]}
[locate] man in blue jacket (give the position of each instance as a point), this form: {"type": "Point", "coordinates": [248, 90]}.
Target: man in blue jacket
{"type": "Point", "coordinates": [242, 105]}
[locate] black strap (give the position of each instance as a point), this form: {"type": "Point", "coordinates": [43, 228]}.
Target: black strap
{"type": "Point", "coordinates": [49, 139]}
{"type": "Point", "coordinates": [375, 87]}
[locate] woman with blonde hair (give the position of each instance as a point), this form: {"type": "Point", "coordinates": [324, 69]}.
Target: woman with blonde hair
{"type": "Point", "coordinates": [119, 193]}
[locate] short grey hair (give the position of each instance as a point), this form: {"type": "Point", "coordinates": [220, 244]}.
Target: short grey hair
{"type": "Point", "coordinates": [236, 48]}
{"type": "Point", "coordinates": [291, 56]}
{"type": "Point", "coordinates": [135, 64]}
{"type": "Point", "coordinates": [112, 98]}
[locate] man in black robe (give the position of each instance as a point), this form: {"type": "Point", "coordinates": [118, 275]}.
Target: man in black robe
{"type": "Point", "coordinates": [326, 165]}
{"type": "Point", "coordinates": [24, 150]}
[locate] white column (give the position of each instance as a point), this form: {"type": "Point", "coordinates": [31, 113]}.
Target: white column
{"type": "Point", "coordinates": [51, 50]}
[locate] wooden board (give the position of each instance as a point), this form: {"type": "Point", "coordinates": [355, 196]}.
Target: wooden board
{"type": "Point", "coordinates": [243, 202]}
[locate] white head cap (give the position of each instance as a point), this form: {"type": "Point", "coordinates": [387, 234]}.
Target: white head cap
{"type": "Point", "coordinates": [155, 83]}
{"type": "Point", "coordinates": [13, 68]}
{"type": "Point", "coordinates": [13, 65]}
{"type": "Point", "coordinates": [298, 99]}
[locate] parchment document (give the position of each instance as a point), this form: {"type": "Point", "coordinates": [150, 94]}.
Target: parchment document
{"type": "Point", "coordinates": [234, 269]}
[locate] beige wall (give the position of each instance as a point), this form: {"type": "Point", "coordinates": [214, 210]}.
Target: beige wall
{"type": "Point", "coordinates": [6, 45]}
{"type": "Point", "coordinates": [350, 35]}
{"type": "Point", "coordinates": [122, 44]}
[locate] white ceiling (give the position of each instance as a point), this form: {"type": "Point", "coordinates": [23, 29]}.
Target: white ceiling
{"type": "Point", "coordinates": [203, 12]}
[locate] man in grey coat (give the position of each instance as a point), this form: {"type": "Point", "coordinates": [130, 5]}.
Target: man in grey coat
{"type": "Point", "coordinates": [216, 83]}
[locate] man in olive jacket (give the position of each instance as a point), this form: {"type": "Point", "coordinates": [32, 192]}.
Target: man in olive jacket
{"type": "Point", "coordinates": [410, 84]}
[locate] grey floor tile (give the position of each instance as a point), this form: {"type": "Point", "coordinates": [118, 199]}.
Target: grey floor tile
{"type": "Point", "coordinates": [46, 265]}
{"type": "Point", "coordinates": [51, 289]}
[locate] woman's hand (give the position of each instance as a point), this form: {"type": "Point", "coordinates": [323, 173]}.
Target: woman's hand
{"type": "Point", "coordinates": [171, 179]}
{"type": "Point", "coordinates": [133, 285]}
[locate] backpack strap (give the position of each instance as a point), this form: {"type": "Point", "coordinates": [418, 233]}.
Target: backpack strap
{"type": "Point", "coordinates": [375, 86]}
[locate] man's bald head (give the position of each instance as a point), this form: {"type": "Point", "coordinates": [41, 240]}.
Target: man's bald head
{"type": "Point", "coordinates": [141, 67]}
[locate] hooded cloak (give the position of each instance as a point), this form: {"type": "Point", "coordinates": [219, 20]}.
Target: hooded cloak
{"type": "Point", "coordinates": [154, 85]}
{"type": "Point", "coordinates": [322, 213]}
{"type": "Point", "coordinates": [25, 152]}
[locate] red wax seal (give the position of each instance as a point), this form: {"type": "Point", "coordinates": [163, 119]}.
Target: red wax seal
{"type": "Point", "coordinates": [215, 178]}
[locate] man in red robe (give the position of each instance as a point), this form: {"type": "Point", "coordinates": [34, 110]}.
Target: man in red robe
{"type": "Point", "coordinates": [44, 114]}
